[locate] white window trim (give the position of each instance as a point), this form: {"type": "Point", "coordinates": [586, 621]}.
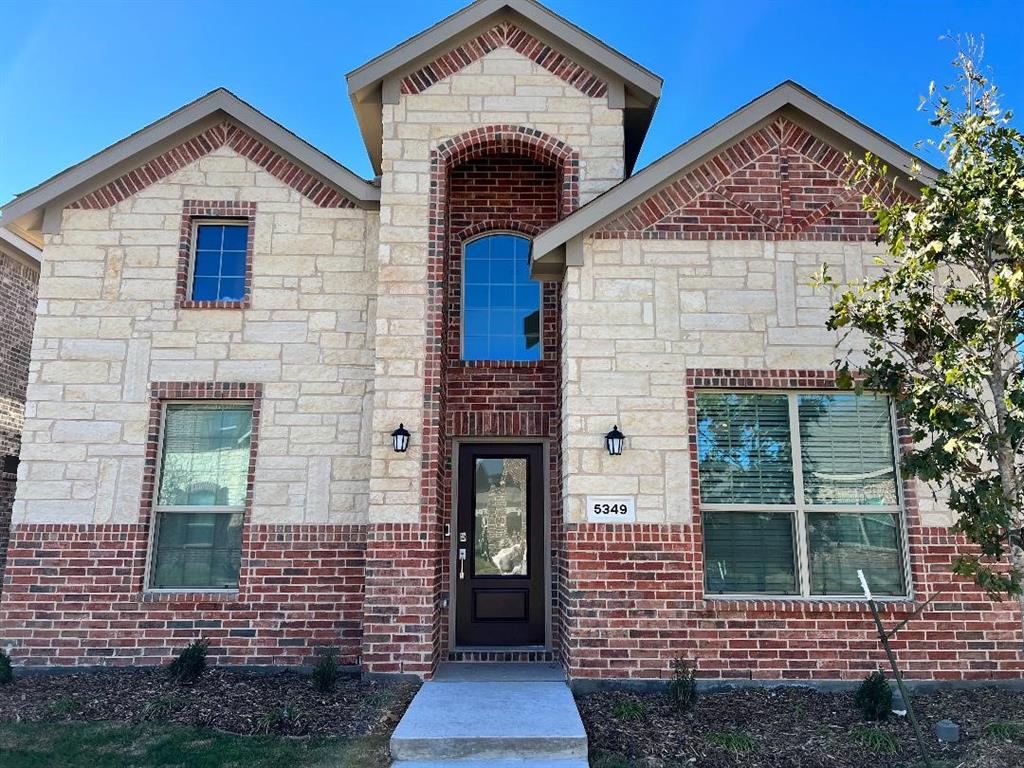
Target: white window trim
{"type": "Point", "coordinates": [203, 221]}
{"type": "Point", "coordinates": [462, 302]}
{"type": "Point", "coordinates": [799, 510]}
{"type": "Point", "coordinates": [155, 509]}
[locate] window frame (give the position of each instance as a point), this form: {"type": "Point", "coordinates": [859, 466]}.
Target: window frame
{"type": "Point", "coordinates": [800, 508]}
{"type": "Point", "coordinates": [156, 509]}
{"type": "Point", "coordinates": [218, 221]}
{"type": "Point", "coordinates": [462, 302]}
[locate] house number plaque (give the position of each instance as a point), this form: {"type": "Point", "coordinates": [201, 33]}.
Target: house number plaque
{"type": "Point", "coordinates": [611, 509]}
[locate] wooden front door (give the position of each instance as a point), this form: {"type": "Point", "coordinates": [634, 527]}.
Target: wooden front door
{"type": "Point", "coordinates": [499, 549]}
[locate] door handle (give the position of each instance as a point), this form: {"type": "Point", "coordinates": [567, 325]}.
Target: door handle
{"type": "Point", "coordinates": [462, 563]}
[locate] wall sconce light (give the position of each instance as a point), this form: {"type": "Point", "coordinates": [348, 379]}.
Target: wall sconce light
{"type": "Point", "coordinates": [614, 441]}
{"type": "Point", "coordinates": [400, 439]}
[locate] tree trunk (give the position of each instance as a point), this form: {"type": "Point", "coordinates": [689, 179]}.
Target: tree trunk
{"type": "Point", "coordinates": [1006, 463]}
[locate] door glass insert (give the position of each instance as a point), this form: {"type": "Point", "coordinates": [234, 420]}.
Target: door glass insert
{"type": "Point", "coordinates": [499, 517]}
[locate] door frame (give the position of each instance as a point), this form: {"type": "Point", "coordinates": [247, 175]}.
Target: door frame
{"type": "Point", "coordinates": [545, 474]}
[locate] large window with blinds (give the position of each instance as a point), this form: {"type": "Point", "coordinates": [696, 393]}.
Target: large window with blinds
{"type": "Point", "coordinates": [798, 491]}
{"type": "Point", "coordinates": [200, 496]}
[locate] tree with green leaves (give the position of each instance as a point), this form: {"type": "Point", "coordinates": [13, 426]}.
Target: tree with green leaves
{"type": "Point", "coordinates": [940, 326]}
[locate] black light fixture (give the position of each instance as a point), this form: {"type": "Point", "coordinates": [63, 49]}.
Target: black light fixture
{"type": "Point", "coordinates": [400, 439]}
{"type": "Point", "coordinates": [614, 441]}
{"type": "Point", "coordinates": [10, 465]}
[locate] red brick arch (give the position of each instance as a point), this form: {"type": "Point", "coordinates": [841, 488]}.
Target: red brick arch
{"type": "Point", "coordinates": [477, 143]}
{"type": "Point", "coordinates": [497, 225]}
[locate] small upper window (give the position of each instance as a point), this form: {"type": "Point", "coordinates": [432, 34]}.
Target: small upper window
{"type": "Point", "coordinates": [500, 302]}
{"type": "Point", "coordinates": [218, 266]}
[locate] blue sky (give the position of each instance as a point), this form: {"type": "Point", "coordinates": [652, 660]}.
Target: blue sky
{"type": "Point", "coordinates": [77, 76]}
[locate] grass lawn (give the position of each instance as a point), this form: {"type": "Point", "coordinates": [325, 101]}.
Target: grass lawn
{"type": "Point", "coordinates": [119, 745]}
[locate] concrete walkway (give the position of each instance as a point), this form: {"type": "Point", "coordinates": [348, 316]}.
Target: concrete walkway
{"type": "Point", "coordinates": [498, 715]}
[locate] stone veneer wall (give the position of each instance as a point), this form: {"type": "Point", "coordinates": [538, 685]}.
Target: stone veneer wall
{"type": "Point", "coordinates": [502, 87]}
{"type": "Point", "coordinates": [109, 326]}
{"type": "Point", "coordinates": [18, 284]}
{"type": "Point", "coordinates": [690, 313]}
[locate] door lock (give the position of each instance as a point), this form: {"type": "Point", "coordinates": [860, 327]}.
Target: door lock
{"type": "Point", "coordinates": [462, 563]}
{"type": "Point", "coordinates": [462, 537]}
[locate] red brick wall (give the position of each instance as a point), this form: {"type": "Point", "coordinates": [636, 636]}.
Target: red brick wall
{"type": "Point", "coordinates": [74, 597]}
{"type": "Point", "coordinates": [491, 178]}
{"type": "Point", "coordinates": [509, 399]}
{"type": "Point", "coordinates": [18, 286]}
{"type": "Point", "coordinates": [637, 603]}
{"type": "Point", "coordinates": [636, 600]}
{"type": "Point", "coordinates": [779, 183]}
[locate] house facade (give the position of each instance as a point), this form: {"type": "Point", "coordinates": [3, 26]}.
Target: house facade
{"type": "Point", "coordinates": [288, 409]}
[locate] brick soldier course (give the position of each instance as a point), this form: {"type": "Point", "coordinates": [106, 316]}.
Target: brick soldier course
{"type": "Point", "coordinates": [692, 274]}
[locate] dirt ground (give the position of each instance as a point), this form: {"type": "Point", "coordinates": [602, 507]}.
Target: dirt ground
{"type": "Point", "coordinates": [283, 703]}
{"type": "Point", "coordinates": [798, 728]}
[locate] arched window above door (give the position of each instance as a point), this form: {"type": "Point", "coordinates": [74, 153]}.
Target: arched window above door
{"type": "Point", "coordinates": [501, 318]}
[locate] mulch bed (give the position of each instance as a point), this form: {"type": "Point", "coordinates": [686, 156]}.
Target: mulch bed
{"type": "Point", "coordinates": [793, 728]}
{"type": "Point", "coordinates": [236, 701]}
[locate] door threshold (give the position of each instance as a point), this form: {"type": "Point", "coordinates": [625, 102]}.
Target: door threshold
{"type": "Point", "coordinates": [501, 654]}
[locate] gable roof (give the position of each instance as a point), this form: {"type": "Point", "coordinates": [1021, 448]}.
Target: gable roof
{"type": "Point", "coordinates": [26, 211]}
{"type": "Point", "coordinates": [550, 246]}
{"type": "Point", "coordinates": [11, 241]}
{"type": "Point", "coordinates": [372, 85]}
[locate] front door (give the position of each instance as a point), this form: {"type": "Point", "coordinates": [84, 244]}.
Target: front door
{"type": "Point", "coordinates": [499, 555]}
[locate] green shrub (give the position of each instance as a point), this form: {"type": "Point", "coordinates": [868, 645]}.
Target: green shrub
{"type": "Point", "coordinates": [1004, 730]}
{"type": "Point", "coordinates": [190, 663]}
{"type": "Point", "coordinates": [275, 717]}
{"type": "Point", "coordinates": [683, 687]}
{"type": "Point", "coordinates": [6, 670]}
{"type": "Point", "coordinates": [874, 697]}
{"type": "Point", "coordinates": [158, 709]}
{"type": "Point", "coordinates": [325, 672]}
{"type": "Point", "coordinates": [66, 705]}
{"type": "Point", "coordinates": [629, 709]}
{"type": "Point", "coordinates": [875, 740]}
{"type": "Point", "coordinates": [732, 740]}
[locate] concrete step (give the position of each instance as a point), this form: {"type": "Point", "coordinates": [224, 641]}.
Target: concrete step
{"type": "Point", "coordinates": [490, 721]}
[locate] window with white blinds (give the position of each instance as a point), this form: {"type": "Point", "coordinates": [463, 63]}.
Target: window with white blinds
{"type": "Point", "coordinates": [798, 491]}
{"type": "Point", "coordinates": [200, 499]}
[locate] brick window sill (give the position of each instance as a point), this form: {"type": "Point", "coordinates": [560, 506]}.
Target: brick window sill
{"type": "Point", "coordinates": [896, 605]}
{"type": "Point", "coordinates": [219, 596]}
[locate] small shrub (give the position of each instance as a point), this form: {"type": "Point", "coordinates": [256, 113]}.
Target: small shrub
{"type": "Point", "coordinates": [63, 706]}
{"type": "Point", "coordinates": [875, 740]}
{"type": "Point", "coordinates": [6, 670]}
{"type": "Point", "coordinates": [683, 687]}
{"type": "Point", "coordinates": [874, 697]}
{"type": "Point", "coordinates": [158, 709]}
{"type": "Point", "coordinates": [630, 709]}
{"type": "Point", "coordinates": [325, 672]}
{"type": "Point", "coordinates": [732, 740]}
{"type": "Point", "coordinates": [190, 663]}
{"type": "Point", "coordinates": [274, 717]}
{"type": "Point", "coordinates": [1004, 730]}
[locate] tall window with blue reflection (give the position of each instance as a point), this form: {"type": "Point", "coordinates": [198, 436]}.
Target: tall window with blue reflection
{"type": "Point", "coordinates": [218, 272]}
{"type": "Point", "coordinates": [500, 303]}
